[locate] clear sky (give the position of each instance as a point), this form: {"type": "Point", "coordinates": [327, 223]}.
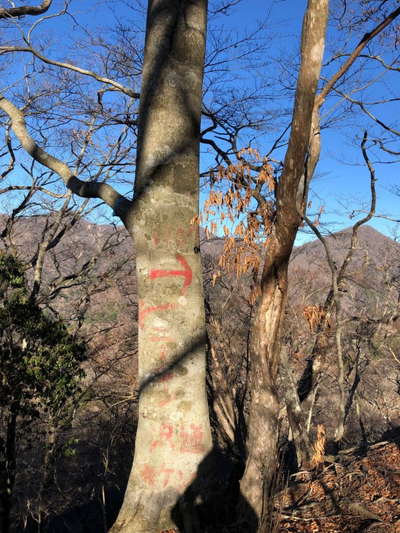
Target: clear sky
{"type": "Point", "coordinates": [342, 180]}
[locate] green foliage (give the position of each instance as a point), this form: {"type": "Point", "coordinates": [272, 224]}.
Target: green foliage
{"type": "Point", "coordinates": [40, 361]}
{"type": "Point", "coordinates": [11, 272]}
{"type": "Point", "coordinates": [69, 448]}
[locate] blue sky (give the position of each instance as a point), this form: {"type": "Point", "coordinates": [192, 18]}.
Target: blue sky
{"type": "Point", "coordinates": [342, 180]}
{"type": "Point", "coordinates": [341, 183]}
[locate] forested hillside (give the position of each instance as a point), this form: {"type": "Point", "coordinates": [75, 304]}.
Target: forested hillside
{"type": "Point", "coordinates": [90, 452]}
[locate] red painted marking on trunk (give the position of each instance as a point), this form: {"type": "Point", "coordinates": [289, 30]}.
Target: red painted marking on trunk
{"type": "Point", "coordinates": [163, 353]}
{"type": "Point", "coordinates": [148, 474]}
{"type": "Point", "coordinates": [167, 400]}
{"type": "Point", "coordinates": [166, 376]}
{"type": "Point", "coordinates": [165, 436]}
{"type": "Point", "coordinates": [192, 440]}
{"type": "Point", "coordinates": [167, 476]}
{"type": "Point", "coordinates": [185, 480]}
{"type": "Point", "coordinates": [144, 311]}
{"type": "Point", "coordinates": [168, 472]}
{"type": "Point", "coordinates": [186, 273]}
{"type": "Point", "coordinates": [155, 338]}
{"type": "Point", "coordinates": [166, 431]}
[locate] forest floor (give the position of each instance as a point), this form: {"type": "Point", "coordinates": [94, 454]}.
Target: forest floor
{"type": "Point", "coordinates": [359, 491]}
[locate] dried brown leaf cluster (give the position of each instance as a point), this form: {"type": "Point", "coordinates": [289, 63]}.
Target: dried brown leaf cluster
{"type": "Point", "coordinates": [319, 447]}
{"type": "Point", "coordinates": [316, 317]}
{"type": "Point", "coordinates": [236, 206]}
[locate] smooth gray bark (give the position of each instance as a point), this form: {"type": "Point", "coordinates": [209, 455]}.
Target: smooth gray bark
{"type": "Point", "coordinates": [173, 434]}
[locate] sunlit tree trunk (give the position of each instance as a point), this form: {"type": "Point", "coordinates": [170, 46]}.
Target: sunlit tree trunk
{"type": "Point", "coordinates": [301, 158]}
{"type": "Point", "coordinates": [173, 435]}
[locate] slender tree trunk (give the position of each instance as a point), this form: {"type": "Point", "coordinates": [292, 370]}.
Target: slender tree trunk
{"type": "Point", "coordinates": [173, 435]}
{"type": "Point", "coordinates": [334, 300]}
{"type": "Point", "coordinates": [47, 470]}
{"type": "Point", "coordinates": [296, 415]}
{"type": "Point", "coordinates": [8, 469]}
{"type": "Point", "coordinates": [291, 197]}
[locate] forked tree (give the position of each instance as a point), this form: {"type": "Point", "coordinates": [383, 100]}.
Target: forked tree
{"type": "Point", "coordinates": [291, 196]}
{"type": "Point", "coordinates": [279, 218]}
{"type": "Point", "coordinates": [276, 215]}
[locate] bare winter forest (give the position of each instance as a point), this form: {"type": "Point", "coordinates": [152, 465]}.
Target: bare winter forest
{"type": "Point", "coordinates": [195, 338]}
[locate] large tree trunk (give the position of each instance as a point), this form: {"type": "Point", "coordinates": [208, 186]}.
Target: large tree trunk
{"type": "Point", "coordinates": [173, 435]}
{"type": "Point", "coordinates": [291, 196]}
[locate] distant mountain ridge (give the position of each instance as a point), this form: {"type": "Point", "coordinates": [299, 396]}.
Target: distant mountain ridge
{"type": "Point", "coordinates": [85, 240]}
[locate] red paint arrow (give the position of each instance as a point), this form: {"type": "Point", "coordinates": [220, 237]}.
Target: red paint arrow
{"type": "Point", "coordinates": [144, 311]}
{"type": "Point", "coordinates": [186, 273]}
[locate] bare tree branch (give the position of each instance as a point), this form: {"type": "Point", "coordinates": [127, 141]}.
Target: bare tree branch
{"type": "Point", "coordinates": [69, 66]}
{"type": "Point", "coordinates": [314, 141]}
{"type": "Point", "coordinates": [11, 164]}
{"type": "Point", "coordinates": [224, 7]}
{"type": "Point", "coordinates": [367, 56]}
{"type": "Point", "coordinates": [384, 148]}
{"type": "Point", "coordinates": [105, 192]}
{"type": "Point", "coordinates": [356, 52]}
{"type": "Point", "coordinates": [334, 298]}
{"type": "Point", "coordinates": [368, 112]}
{"type": "Point", "coordinates": [25, 10]}
{"type": "Point", "coordinates": [35, 187]}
